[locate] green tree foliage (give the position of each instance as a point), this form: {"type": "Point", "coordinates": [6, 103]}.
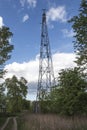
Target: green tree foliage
{"type": "Point", "coordinates": [80, 28]}
{"type": "Point", "coordinates": [70, 97]}
{"type": "Point", "coordinates": [16, 93]}
{"type": "Point", "coordinates": [26, 104]}
{"type": "Point", "coordinates": [5, 50]}
{"type": "Point", "coordinates": [2, 89]}
{"type": "Point", "coordinates": [2, 95]}
{"type": "Point", "coordinates": [5, 47]}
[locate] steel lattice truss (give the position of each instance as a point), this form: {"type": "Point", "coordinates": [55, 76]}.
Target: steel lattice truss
{"type": "Point", "coordinates": [46, 74]}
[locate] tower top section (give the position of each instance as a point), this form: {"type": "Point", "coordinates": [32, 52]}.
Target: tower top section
{"type": "Point", "coordinates": [44, 16]}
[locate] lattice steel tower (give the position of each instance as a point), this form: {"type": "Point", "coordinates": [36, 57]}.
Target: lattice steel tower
{"type": "Point", "coordinates": [46, 74]}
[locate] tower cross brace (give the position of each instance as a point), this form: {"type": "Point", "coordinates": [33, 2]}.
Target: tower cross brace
{"type": "Point", "coordinates": [46, 74]}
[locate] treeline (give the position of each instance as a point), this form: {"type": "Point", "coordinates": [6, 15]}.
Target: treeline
{"type": "Point", "coordinates": [70, 95]}
{"type": "Point", "coordinates": [13, 91]}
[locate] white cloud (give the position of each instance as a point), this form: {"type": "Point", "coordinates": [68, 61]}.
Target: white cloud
{"type": "Point", "coordinates": [25, 18]}
{"type": "Point", "coordinates": [57, 14]}
{"type": "Point", "coordinates": [62, 61]}
{"type": "Point", "coordinates": [68, 33]}
{"type": "Point", "coordinates": [1, 21]}
{"type": "Point", "coordinates": [30, 3]}
{"type": "Point", "coordinates": [29, 70]}
{"type": "Point", "coordinates": [22, 2]}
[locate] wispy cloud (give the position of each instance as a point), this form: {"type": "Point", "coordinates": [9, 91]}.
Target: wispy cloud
{"type": "Point", "coordinates": [68, 33]}
{"type": "Point", "coordinates": [57, 14]}
{"type": "Point", "coordinates": [25, 18]}
{"type": "Point", "coordinates": [1, 21]}
{"type": "Point", "coordinates": [30, 69]}
{"type": "Point", "coordinates": [22, 2]}
{"type": "Point", "coordinates": [29, 3]}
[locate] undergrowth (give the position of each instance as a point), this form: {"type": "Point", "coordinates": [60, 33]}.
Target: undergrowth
{"type": "Point", "coordinates": [51, 122]}
{"type": "Point", "coordinates": [9, 125]}
{"type": "Point", "coordinates": [2, 121]}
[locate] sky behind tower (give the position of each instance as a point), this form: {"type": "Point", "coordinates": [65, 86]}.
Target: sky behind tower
{"type": "Point", "coordinates": [23, 17]}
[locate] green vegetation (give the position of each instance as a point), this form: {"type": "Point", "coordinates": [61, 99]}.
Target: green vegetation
{"type": "Point", "coordinates": [21, 123]}
{"type": "Point", "coordinates": [16, 93]}
{"type": "Point", "coordinates": [5, 47]}
{"type": "Point", "coordinates": [80, 28]}
{"type": "Point", "coordinates": [16, 89]}
{"type": "Point", "coordinates": [51, 122]}
{"type": "Point", "coordinates": [69, 97]}
{"type": "Point", "coordinates": [9, 125]}
{"type": "Point", "coordinates": [5, 50]}
{"type": "Point", "coordinates": [2, 121]}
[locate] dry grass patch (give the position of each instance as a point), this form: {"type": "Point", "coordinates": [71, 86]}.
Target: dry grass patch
{"type": "Point", "coordinates": [51, 122]}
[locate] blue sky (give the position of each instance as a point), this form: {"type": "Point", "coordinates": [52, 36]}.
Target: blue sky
{"type": "Point", "coordinates": [26, 35]}
{"type": "Point", "coordinates": [23, 17]}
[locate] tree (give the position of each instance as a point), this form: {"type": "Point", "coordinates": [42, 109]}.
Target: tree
{"type": "Point", "coordinates": [80, 28]}
{"type": "Point", "coordinates": [73, 87]}
{"type": "Point", "coordinates": [16, 93]}
{"type": "Point", "coordinates": [26, 104]}
{"type": "Point", "coordinates": [70, 96]}
{"type": "Point", "coordinates": [2, 95]}
{"type": "Point", "coordinates": [5, 49]}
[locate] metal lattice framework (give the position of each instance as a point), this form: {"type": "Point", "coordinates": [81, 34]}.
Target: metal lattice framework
{"type": "Point", "coordinates": [46, 74]}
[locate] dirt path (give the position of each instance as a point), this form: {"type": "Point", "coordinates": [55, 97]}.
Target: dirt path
{"type": "Point", "coordinates": [14, 124]}
{"type": "Point", "coordinates": [3, 127]}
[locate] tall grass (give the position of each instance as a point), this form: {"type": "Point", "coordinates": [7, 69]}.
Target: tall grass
{"type": "Point", "coordinates": [9, 125]}
{"type": "Point", "coordinates": [51, 122]}
{"type": "Point", "coordinates": [2, 121]}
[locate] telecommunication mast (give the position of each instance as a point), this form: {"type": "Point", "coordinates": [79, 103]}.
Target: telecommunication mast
{"type": "Point", "coordinates": [46, 74]}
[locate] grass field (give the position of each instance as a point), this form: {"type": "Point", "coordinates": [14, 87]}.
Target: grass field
{"type": "Point", "coordinates": [51, 122]}
{"type": "Point", "coordinates": [9, 125]}
{"type": "Point", "coordinates": [2, 121]}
